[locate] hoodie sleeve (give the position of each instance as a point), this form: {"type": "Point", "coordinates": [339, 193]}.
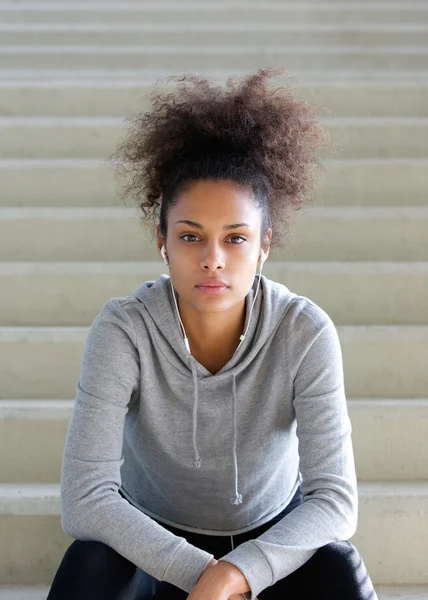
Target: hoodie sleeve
{"type": "Point", "coordinates": [91, 507]}
{"type": "Point", "coordinates": [329, 509]}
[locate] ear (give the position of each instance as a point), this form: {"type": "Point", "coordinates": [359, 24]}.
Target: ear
{"type": "Point", "coordinates": [266, 244]}
{"type": "Point", "coordinates": [160, 240]}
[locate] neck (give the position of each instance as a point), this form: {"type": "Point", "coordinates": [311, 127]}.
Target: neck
{"type": "Point", "coordinates": [215, 331]}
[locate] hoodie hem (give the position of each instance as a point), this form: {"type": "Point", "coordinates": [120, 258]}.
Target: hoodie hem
{"type": "Point", "coordinates": [218, 532]}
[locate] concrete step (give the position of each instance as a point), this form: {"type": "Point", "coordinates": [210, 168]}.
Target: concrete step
{"type": "Point", "coordinates": [203, 57]}
{"type": "Point", "coordinates": [33, 433]}
{"type": "Point", "coordinates": [33, 293]}
{"type": "Point", "coordinates": [122, 98]}
{"type": "Point", "coordinates": [380, 361]}
{"type": "Point", "coordinates": [18, 592]}
{"type": "Point", "coordinates": [92, 137]}
{"type": "Point", "coordinates": [89, 182]}
{"type": "Point", "coordinates": [23, 592]}
{"type": "Point", "coordinates": [65, 137]}
{"type": "Point", "coordinates": [360, 233]}
{"type": "Point", "coordinates": [319, 233]}
{"type": "Point", "coordinates": [233, 33]}
{"type": "Point", "coordinates": [388, 511]}
{"type": "Point", "coordinates": [402, 592]}
{"type": "Point", "coordinates": [83, 73]}
{"type": "Point", "coordinates": [248, 12]}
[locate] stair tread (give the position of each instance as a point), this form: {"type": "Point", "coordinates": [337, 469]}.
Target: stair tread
{"type": "Point", "coordinates": [29, 592]}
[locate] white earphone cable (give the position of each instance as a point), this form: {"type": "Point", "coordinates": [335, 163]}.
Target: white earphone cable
{"type": "Point", "coordinates": [186, 341]}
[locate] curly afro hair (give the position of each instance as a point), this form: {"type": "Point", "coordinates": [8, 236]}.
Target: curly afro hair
{"type": "Point", "coordinates": [263, 138]}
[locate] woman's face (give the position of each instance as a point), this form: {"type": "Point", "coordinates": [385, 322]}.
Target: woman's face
{"type": "Point", "coordinates": [208, 248]}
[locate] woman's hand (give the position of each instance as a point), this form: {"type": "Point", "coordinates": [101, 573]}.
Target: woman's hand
{"type": "Point", "coordinates": [213, 585]}
{"type": "Point", "coordinates": [212, 562]}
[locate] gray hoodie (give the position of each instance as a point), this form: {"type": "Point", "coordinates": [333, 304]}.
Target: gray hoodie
{"type": "Point", "coordinates": [213, 454]}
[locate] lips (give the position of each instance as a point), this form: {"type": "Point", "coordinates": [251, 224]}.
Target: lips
{"type": "Point", "coordinates": [212, 290]}
{"type": "Point", "coordinates": [214, 284]}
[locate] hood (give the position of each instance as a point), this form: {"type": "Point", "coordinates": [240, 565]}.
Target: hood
{"type": "Point", "coordinates": [268, 311]}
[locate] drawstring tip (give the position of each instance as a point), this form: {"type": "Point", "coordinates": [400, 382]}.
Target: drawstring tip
{"type": "Point", "coordinates": [197, 462]}
{"type": "Point", "coordinates": [237, 499]}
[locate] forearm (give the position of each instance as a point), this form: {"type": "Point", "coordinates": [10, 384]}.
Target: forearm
{"type": "Point", "coordinates": [233, 579]}
{"type": "Point", "coordinates": [230, 577]}
{"type": "Point", "coordinates": [237, 583]}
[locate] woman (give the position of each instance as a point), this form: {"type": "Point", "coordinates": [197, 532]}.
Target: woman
{"type": "Point", "coordinates": [209, 454]}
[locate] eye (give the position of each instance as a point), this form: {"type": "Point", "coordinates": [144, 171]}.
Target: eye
{"type": "Point", "coordinates": [239, 237]}
{"type": "Point", "coordinates": [187, 235]}
{"type": "Point", "coordinates": [233, 237]}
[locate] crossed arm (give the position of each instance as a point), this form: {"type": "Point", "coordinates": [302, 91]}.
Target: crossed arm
{"type": "Point", "coordinates": [220, 581]}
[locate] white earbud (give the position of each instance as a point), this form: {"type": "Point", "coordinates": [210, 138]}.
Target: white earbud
{"type": "Point", "coordinates": [163, 252]}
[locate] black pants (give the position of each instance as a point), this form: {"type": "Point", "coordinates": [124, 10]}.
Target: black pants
{"type": "Point", "coordinates": [91, 570]}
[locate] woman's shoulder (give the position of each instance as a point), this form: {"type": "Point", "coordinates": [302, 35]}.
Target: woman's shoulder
{"type": "Point", "coordinates": [121, 312]}
{"type": "Point", "coordinates": [303, 314]}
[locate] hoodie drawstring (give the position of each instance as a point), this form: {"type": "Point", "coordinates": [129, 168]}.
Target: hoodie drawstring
{"type": "Point", "coordinates": [197, 461]}
{"type": "Point", "coordinates": [237, 498]}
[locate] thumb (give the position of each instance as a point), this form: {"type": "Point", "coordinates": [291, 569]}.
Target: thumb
{"type": "Point", "coordinates": [212, 562]}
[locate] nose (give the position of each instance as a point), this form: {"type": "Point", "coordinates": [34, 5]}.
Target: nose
{"type": "Point", "coordinates": [212, 260]}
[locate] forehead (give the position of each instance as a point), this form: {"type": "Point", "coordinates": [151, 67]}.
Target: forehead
{"type": "Point", "coordinates": [216, 200]}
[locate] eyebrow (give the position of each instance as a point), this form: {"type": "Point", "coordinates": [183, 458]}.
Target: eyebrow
{"type": "Point", "coordinates": [225, 227]}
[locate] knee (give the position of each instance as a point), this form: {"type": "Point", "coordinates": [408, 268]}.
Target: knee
{"type": "Point", "coordinates": [349, 569]}
{"type": "Point", "coordinates": [90, 555]}
{"type": "Point", "coordinates": [342, 554]}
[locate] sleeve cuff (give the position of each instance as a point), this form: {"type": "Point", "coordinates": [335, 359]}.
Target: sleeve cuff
{"type": "Point", "coordinates": [253, 565]}
{"type": "Point", "coordinates": [186, 566]}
